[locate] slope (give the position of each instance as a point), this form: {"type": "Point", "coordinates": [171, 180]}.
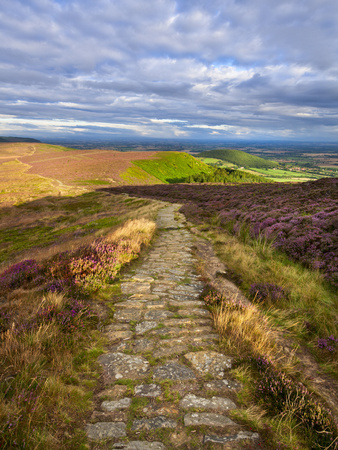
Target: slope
{"type": "Point", "coordinates": [238, 157]}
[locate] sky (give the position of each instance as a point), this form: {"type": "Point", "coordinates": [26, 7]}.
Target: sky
{"type": "Point", "coordinates": [188, 69]}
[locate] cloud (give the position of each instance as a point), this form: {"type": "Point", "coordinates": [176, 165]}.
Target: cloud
{"type": "Point", "coordinates": [201, 68]}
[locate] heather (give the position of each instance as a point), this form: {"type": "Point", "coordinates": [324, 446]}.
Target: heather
{"type": "Point", "coordinates": [273, 393]}
{"type": "Point", "coordinates": [51, 314]}
{"type": "Point", "coordinates": [300, 220]}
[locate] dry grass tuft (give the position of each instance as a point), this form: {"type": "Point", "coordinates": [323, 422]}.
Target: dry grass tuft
{"type": "Point", "coordinates": [134, 233]}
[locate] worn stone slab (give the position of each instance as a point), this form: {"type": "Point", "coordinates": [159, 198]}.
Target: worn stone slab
{"type": "Point", "coordinates": [154, 423]}
{"type": "Point", "coordinates": [127, 315]}
{"type": "Point", "coordinates": [139, 445]}
{"type": "Point", "coordinates": [109, 416]}
{"type": "Point", "coordinates": [143, 278]}
{"type": "Point", "coordinates": [158, 315]}
{"type": "Point", "coordinates": [187, 321]}
{"type": "Point", "coordinates": [209, 362]}
{"type": "Point", "coordinates": [119, 365]}
{"type": "Point", "coordinates": [217, 403]}
{"type": "Point", "coordinates": [233, 437]}
{"type": "Point", "coordinates": [105, 430]}
{"type": "Point", "coordinates": [143, 345]}
{"type": "Point", "coordinates": [208, 419]}
{"type": "Point", "coordinates": [199, 312]}
{"type": "Point", "coordinates": [135, 288]}
{"type": "Point", "coordinates": [116, 327]}
{"type": "Point", "coordinates": [148, 390]}
{"type": "Point", "coordinates": [173, 371]}
{"type": "Point", "coordinates": [130, 304]}
{"type": "Point", "coordinates": [175, 331]}
{"type": "Point", "coordinates": [166, 352]}
{"type": "Point", "coordinates": [116, 405]}
{"type": "Point", "coordinates": [221, 385]}
{"type": "Point", "coordinates": [156, 304]}
{"type": "Point", "coordinates": [145, 326]}
{"type": "Point", "coordinates": [144, 297]}
{"type": "Point", "coordinates": [186, 303]}
{"type": "Point", "coordinates": [115, 336]}
{"type": "Point", "coordinates": [116, 392]}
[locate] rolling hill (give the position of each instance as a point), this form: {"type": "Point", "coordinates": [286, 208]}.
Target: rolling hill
{"type": "Point", "coordinates": [238, 157]}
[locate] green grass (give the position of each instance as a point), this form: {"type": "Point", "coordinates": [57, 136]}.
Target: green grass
{"type": "Point", "coordinates": [92, 182]}
{"type": "Point", "coordinates": [238, 157]}
{"type": "Point", "coordinates": [172, 167]}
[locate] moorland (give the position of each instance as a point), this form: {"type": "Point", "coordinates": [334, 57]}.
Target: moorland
{"type": "Point", "coordinates": [73, 221]}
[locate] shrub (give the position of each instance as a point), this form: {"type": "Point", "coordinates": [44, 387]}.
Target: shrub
{"type": "Point", "coordinates": [267, 291]}
{"type": "Point", "coordinates": [20, 274]}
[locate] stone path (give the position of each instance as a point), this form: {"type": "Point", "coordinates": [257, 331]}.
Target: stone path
{"type": "Point", "coordinates": [166, 383]}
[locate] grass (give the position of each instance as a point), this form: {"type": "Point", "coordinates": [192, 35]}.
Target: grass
{"type": "Point", "coordinates": [49, 342]}
{"type": "Point", "coordinates": [278, 329]}
{"type": "Point", "coordinates": [171, 167]}
{"type": "Point", "coordinates": [238, 157]}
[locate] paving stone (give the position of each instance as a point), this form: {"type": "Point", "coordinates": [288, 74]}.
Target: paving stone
{"type": "Point", "coordinates": [117, 327]}
{"type": "Point", "coordinates": [155, 409]}
{"type": "Point", "coordinates": [234, 437]}
{"type": "Point", "coordinates": [166, 352]}
{"type": "Point", "coordinates": [173, 371]}
{"type": "Point", "coordinates": [217, 403]}
{"type": "Point", "coordinates": [143, 345]}
{"type": "Point", "coordinates": [187, 321]}
{"type": "Point", "coordinates": [143, 278]}
{"type": "Point", "coordinates": [126, 315]}
{"type": "Point", "coordinates": [208, 419]}
{"type": "Point", "coordinates": [139, 445]}
{"type": "Point", "coordinates": [175, 331]}
{"type": "Point", "coordinates": [135, 288]}
{"type": "Point", "coordinates": [194, 312]}
{"type": "Point", "coordinates": [157, 304]}
{"type": "Point", "coordinates": [116, 405]}
{"type": "Point", "coordinates": [116, 336]}
{"type": "Point", "coordinates": [154, 423]}
{"type": "Point", "coordinates": [145, 326]}
{"type": "Point", "coordinates": [130, 304]}
{"type": "Point", "coordinates": [118, 365]}
{"type": "Point", "coordinates": [144, 297]}
{"type": "Point", "coordinates": [158, 315]}
{"type": "Point", "coordinates": [186, 303]}
{"type": "Point", "coordinates": [105, 430]}
{"type": "Point", "coordinates": [209, 362]}
{"type": "Point", "coordinates": [148, 390]}
{"type": "Point", "coordinates": [221, 385]}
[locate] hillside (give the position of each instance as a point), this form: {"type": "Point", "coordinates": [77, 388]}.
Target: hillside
{"type": "Point", "coordinates": [239, 158]}
{"type": "Point", "coordinates": [16, 139]}
{"type": "Point", "coordinates": [173, 167]}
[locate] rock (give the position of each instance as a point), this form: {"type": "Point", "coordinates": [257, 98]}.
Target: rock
{"type": "Point", "coordinates": [116, 392]}
{"type": "Point", "coordinates": [208, 362]}
{"type": "Point", "coordinates": [148, 390]}
{"type": "Point", "coordinates": [143, 345]}
{"type": "Point", "coordinates": [143, 327]}
{"type": "Point", "coordinates": [116, 336]}
{"type": "Point", "coordinates": [139, 445]}
{"type": "Point", "coordinates": [154, 423]}
{"type": "Point", "coordinates": [116, 405]}
{"type": "Point", "coordinates": [126, 315]}
{"type": "Point", "coordinates": [118, 365]}
{"type": "Point", "coordinates": [165, 352]}
{"type": "Point", "coordinates": [105, 430]}
{"type": "Point", "coordinates": [109, 416]}
{"type": "Point", "coordinates": [234, 437]}
{"type": "Point", "coordinates": [116, 327]}
{"type": "Point", "coordinates": [208, 419]}
{"type": "Point", "coordinates": [219, 403]}
{"type": "Point", "coordinates": [158, 315]}
{"type": "Point", "coordinates": [130, 304]}
{"type": "Point", "coordinates": [173, 371]}
{"type": "Point", "coordinates": [159, 304]}
{"type": "Point", "coordinates": [221, 385]}
{"type": "Point", "coordinates": [135, 288]}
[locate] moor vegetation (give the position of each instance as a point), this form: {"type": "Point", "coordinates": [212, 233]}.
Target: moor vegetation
{"type": "Point", "coordinates": [279, 242]}
{"type": "Point", "coordinates": [55, 298]}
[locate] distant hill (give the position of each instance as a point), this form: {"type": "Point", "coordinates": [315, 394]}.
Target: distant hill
{"type": "Point", "coordinates": [172, 167]}
{"type": "Point", "coordinates": [239, 158]}
{"type": "Point", "coordinates": [16, 139]}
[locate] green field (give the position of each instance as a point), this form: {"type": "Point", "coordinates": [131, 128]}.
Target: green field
{"type": "Point", "coordinates": [238, 157]}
